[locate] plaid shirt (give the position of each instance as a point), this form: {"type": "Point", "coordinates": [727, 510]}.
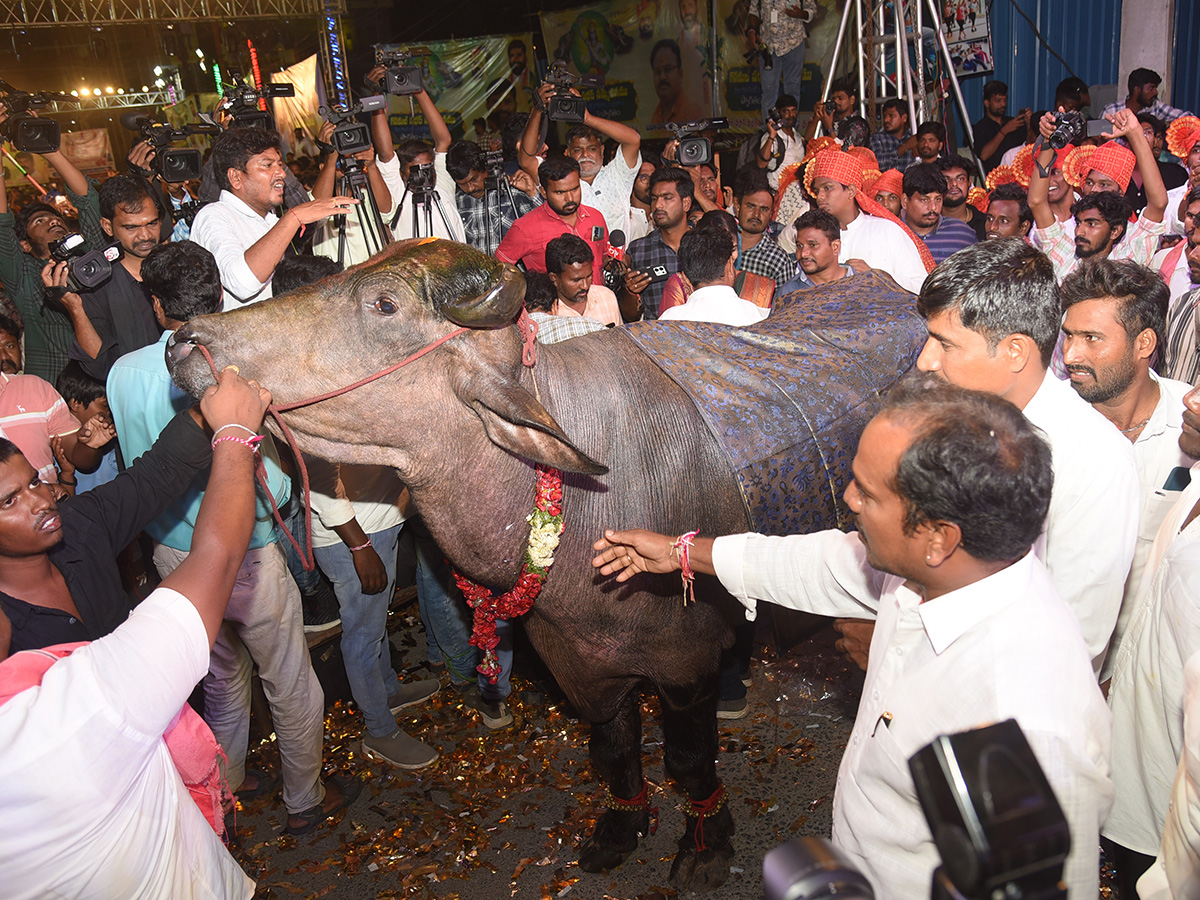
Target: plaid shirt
{"type": "Point", "coordinates": [552, 329]}
{"type": "Point", "coordinates": [1158, 109]}
{"type": "Point", "coordinates": [644, 253]}
{"type": "Point", "coordinates": [885, 145]}
{"type": "Point", "coordinates": [475, 215]}
{"type": "Point", "coordinates": [1138, 244]}
{"type": "Point", "coordinates": [766, 258]}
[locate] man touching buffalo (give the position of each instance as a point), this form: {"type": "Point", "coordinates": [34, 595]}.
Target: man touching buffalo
{"type": "Point", "coordinates": [950, 491]}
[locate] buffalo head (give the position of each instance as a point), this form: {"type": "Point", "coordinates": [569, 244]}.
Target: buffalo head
{"type": "Point", "coordinates": [344, 328]}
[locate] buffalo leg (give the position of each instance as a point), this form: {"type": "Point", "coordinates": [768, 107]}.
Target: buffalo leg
{"type": "Point", "coordinates": [689, 753]}
{"type": "Point", "coordinates": [616, 752]}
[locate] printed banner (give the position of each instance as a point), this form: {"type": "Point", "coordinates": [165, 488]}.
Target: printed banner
{"type": "Point", "coordinates": [473, 82]}
{"type": "Point", "coordinates": [739, 93]}
{"type": "Point", "coordinates": [299, 111]}
{"type": "Point", "coordinates": [655, 57]}
{"type": "Point", "coordinates": [90, 150]}
{"type": "Point", "coordinates": [968, 35]}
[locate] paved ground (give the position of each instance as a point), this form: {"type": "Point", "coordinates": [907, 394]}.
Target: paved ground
{"type": "Point", "coordinates": [501, 815]}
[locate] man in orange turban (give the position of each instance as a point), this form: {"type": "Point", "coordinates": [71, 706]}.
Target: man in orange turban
{"type": "Point", "coordinates": [1102, 175]}
{"type": "Point", "coordinates": [1183, 140]}
{"type": "Point", "coordinates": [869, 232]}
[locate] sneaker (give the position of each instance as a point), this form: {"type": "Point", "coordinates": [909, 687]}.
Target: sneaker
{"type": "Point", "coordinates": [321, 611]}
{"type": "Point", "coordinates": [747, 680]}
{"type": "Point", "coordinates": [494, 713]}
{"type": "Point", "coordinates": [410, 693]}
{"type": "Point", "coordinates": [400, 750]}
{"type": "Point", "coordinates": [733, 709]}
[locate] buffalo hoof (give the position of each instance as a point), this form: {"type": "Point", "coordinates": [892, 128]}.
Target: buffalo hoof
{"type": "Point", "coordinates": [613, 839]}
{"type": "Point", "coordinates": [707, 869]}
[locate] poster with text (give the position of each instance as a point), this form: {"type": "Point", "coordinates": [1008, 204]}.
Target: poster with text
{"type": "Point", "coordinates": [481, 78]}
{"type": "Point", "coordinates": [655, 58]}
{"type": "Point", "coordinates": [968, 35]}
{"type": "Point", "coordinates": [739, 79]}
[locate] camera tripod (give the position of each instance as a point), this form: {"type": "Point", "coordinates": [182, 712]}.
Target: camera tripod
{"type": "Point", "coordinates": [353, 183]}
{"type": "Point", "coordinates": [495, 181]}
{"type": "Point", "coordinates": [425, 199]}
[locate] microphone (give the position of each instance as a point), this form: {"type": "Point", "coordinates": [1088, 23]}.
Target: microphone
{"type": "Point", "coordinates": [134, 120]}
{"type": "Point", "coordinates": [614, 265]}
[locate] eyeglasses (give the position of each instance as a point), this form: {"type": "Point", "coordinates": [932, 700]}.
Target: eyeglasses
{"type": "Point", "coordinates": [664, 70]}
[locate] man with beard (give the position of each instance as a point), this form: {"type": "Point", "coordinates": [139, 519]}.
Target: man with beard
{"type": "Point", "coordinates": [782, 131]}
{"type": "Point", "coordinates": [1114, 324]}
{"type": "Point", "coordinates": [569, 264]}
{"type": "Point", "coordinates": [949, 490]}
{"type": "Point", "coordinates": [931, 141]}
{"type": "Point", "coordinates": [843, 98]}
{"type": "Point", "coordinates": [1179, 267]}
{"type": "Point", "coordinates": [10, 346]}
{"type": "Point", "coordinates": [957, 172]}
{"type": "Point", "coordinates": [117, 317]}
{"type": "Point", "coordinates": [519, 76]}
{"type": "Point", "coordinates": [561, 213]}
{"type": "Point", "coordinates": [1008, 213]}
{"type": "Point", "coordinates": [671, 193]}
{"type": "Point", "coordinates": [757, 251]}
{"type": "Point", "coordinates": [893, 145]}
{"type": "Point", "coordinates": [488, 209]}
{"type": "Point", "coordinates": [639, 199]}
{"type": "Point", "coordinates": [923, 189]}
{"type": "Point", "coordinates": [818, 243]}
{"type": "Point", "coordinates": [1143, 97]}
{"type": "Point", "coordinates": [1101, 215]}
{"type": "Point", "coordinates": [997, 133]}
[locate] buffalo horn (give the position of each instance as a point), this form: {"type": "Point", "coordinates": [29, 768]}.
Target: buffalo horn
{"type": "Point", "coordinates": [492, 309]}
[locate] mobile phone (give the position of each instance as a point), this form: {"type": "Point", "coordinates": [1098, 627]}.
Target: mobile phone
{"type": "Point", "coordinates": [1097, 127]}
{"type": "Point", "coordinates": [655, 273]}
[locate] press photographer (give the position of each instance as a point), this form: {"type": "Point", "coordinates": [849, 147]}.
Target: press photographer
{"type": "Point", "coordinates": [24, 252]}
{"type": "Point", "coordinates": [488, 200]}
{"type": "Point", "coordinates": [117, 316]}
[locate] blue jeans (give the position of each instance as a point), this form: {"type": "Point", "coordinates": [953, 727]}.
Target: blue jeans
{"type": "Point", "coordinates": [784, 78]}
{"type": "Point", "coordinates": [366, 652]}
{"type": "Point", "coordinates": [504, 654]}
{"type": "Point", "coordinates": [305, 580]}
{"type": "Point", "coordinates": [444, 612]}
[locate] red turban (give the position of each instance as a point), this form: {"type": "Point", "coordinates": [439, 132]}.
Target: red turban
{"type": "Point", "coordinates": [1109, 158]}
{"type": "Point", "coordinates": [1000, 175]}
{"type": "Point", "coordinates": [847, 169]}
{"type": "Point", "coordinates": [1182, 135]}
{"type": "Point", "coordinates": [890, 182]}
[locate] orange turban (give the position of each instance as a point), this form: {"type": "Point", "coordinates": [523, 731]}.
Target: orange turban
{"type": "Point", "coordinates": [1182, 135]}
{"type": "Point", "coordinates": [1022, 165]}
{"type": "Point", "coordinates": [868, 156]}
{"type": "Point", "coordinates": [847, 169]}
{"type": "Point", "coordinates": [1001, 175]}
{"type": "Point", "coordinates": [1109, 158]}
{"type": "Point", "coordinates": [890, 182]}
{"type": "Point", "coordinates": [978, 198]}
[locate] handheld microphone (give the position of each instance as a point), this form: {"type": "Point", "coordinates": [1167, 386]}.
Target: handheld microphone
{"type": "Point", "coordinates": [613, 268]}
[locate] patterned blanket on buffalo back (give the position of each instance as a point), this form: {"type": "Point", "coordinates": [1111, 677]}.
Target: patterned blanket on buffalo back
{"type": "Point", "coordinates": [789, 396]}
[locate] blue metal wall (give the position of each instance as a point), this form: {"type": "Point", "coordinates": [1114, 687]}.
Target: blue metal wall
{"type": "Point", "coordinates": [1086, 33]}
{"type": "Point", "coordinates": [1185, 80]}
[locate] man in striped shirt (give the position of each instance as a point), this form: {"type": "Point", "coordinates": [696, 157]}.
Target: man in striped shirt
{"type": "Point", "coordinates": [921, 202]}
{"type": "Point", "coordinates": [1143, 97]}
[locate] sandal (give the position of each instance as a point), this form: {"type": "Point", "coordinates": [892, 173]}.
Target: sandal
{"type": "Point", "coordinates": [315, 815]}
{"type": "Point", "coordinates": [266, 784]}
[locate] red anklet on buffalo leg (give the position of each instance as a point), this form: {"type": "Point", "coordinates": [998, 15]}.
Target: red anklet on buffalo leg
{"type": "Point", "coordinates": [703, 809]}
{"type": "Point", "coordinates": [641, 801]}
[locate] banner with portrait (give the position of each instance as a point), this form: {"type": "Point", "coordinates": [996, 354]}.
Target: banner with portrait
{"type": "Point", "coordinates": [470, 79]}
{"type": "Point", "coordinates": [968, 35]}
{"type": "Point", "coordinates": [655, 57]}
{"type": "Point", "coordinates": [90, 151]}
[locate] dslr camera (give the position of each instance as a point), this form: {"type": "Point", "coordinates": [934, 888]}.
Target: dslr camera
{"type": "Point", "coordinates": [351, 136]}
{"type": "Point", "coordinates": [174, 165]}
{"type": "Point", "coordinates": [29, 133]}
{"type": "Point", "coordinates": [565, 106]}
{"type": "Point", "coordinates": [1071, 127]}
{"type": "Point", "coordinates": [87, 269]}
{"type": "Point", "coordinates": [241, 101]}
{"type": "Point", "coordinates": [402, 77]}
{"type": "Point", "coordinates": [694, 150]}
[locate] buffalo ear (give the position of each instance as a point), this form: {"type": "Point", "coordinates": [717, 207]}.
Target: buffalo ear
{"type": "Point", "coordinates": [516, 422]}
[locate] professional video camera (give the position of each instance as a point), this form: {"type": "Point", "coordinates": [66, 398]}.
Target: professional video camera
{"type": "Point", "coordinates": [29, 133]}
{"type": "Point", "coordinates": [565, 106]}
{"type": "Point", "coordinates": [351, 136]}
{"type": "Point", "coordinates": [187, 211]}
{"type": "Point", "coordinates": [87, 270]}
{"type": "Point", "coordinates": [401, 77]}
{"type": "Point", "coordinates": [1070, 128]}
{"type": "Point", "coordinates": [181, 164]}
{"type": "Point", "coordinates": [241, 101]}
{"type": "Point", "coordinates": [694, 151]}
{"type": "Point", "coordinates": [998, 827]}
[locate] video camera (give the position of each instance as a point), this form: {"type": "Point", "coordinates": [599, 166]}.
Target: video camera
{"type": "Point", "coordinates": [694, 151]}
{"type": "Point", "coordinates": [87, 269]}
{"type": "Point", "coordinates": [1071, 127]}
{"type": "Point", "coordinates": [565, 106]}
{"type": "Point", "coordinates": [401, 77]}
{"type": "Point", "coordinates": [241, 101]}
{"type": "Point", "coordinates": [28, 133]}
{"type": "Point", "coordinates": [351, 136]}
{"type": "Point", "coordinates": [998, 827]}
{"type": "Point", "coordinates": [176, 165]}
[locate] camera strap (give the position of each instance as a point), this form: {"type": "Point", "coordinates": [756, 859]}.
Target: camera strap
{"type": "Point", "coordinates": [1037, 145]}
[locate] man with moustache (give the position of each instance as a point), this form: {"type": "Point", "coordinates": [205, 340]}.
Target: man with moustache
{"type": "Point", "coordinates": [1115, 316]}
{"type": "Point", "coordinates": [957, 172]}
{"type": "Point", "coordinates": [117, 317]}
{"type": "Point", "coordinates": [10, 346]}
{"type": "Point", "coordinates": [757, 251]}
{"type": "Point", "coordinates": [1179, 267]}
{"type": "Point", "coordinates": [671, 195]}
{"type": "Point", "coordinates": [818, 243]}
{"type": "Point", "coordinates": [781, 130]}
{"type": "Point", "coordinates": [674, 105]}
{"type": "Point", "coordinates": [924, 187]}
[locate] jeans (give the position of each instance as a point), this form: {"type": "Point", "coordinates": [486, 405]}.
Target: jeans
{"type": "Point", "coordinates": [264, 626]}
{"type": "Point", "coordinates": [504, 654]}
{"type": "Point", "coordinates": [735, 662]}
{"type": "Point", "coordinates": [306, 581]}
{"type": "Point", "coordinates": [444, 612]}
{"type": "Point", "coordinates": [788, 69]}
{"type": "Point", "coordinates": [366, 651]}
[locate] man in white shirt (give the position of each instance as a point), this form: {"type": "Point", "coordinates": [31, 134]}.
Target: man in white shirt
{"type": "Point", "coordinates": [241, 230]}
{"type": "Point", "coordinates": [950, 489]}
{"type": "Point", "coordinates": [1115, 320]}
{"type": "Point", "coordinates": [706, 258]}
{"type": "Point", "coordinates": [83, 763]}
{"type": "Point", "coordinates": [416, 176]}
{"type": "Point", "coordinates": [869, 232]}
{"type": "Point", "coordinates": [771, 155]}
{"type": "Point", "coordinates": [1148, 678]}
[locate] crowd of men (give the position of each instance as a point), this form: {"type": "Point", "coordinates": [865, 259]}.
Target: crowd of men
{"type": "Point", "coordinates": [1026, 540]}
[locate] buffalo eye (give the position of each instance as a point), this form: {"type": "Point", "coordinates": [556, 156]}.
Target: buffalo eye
{"type": "Point", "coordinates": [386, 306]}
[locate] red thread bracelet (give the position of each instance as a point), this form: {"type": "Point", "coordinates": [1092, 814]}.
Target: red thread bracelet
{"type": "Point", "coordinates": [361, 546]}
{"type": "Point", "coordinates": [252, 443]}
{"type": "Point", "coordinates": [686, 573]}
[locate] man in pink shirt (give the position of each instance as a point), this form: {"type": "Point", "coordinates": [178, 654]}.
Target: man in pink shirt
{"type": "Point", "coordinates": [569, 261]}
